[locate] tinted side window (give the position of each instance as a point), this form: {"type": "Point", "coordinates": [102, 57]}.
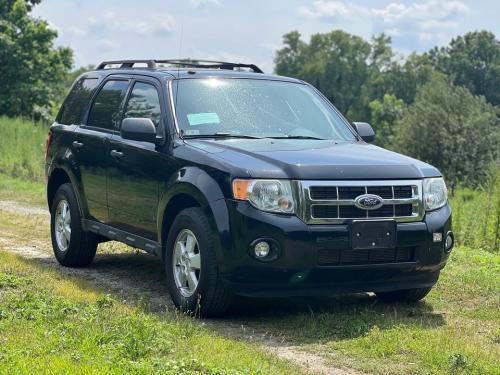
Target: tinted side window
{"type": "Point", "coordinates": [144, 102]}
{"type": "Point", "coordinates": [76, 103]}
{"type": "Point", "coordinates": [106, 107]}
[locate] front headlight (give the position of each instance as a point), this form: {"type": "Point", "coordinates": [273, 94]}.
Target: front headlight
{"type": "Point", "coordinates": [266, 195]}
{"type": "Point", "coordinates": [435, 193]}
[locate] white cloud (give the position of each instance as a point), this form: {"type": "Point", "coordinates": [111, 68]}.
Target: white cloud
{"type": "Point", "coordinates": [205, 3]}
{"type": "Point", "coordinates": [76, 31]}
{"type": "Point", "coordinates": [428, 20]}
{"type": "Point", "coordinates": [424, 22]}
{"type": "Point", "coordinates": [333, 10]}
{"type": "Point", "coordinates": [157, 25]}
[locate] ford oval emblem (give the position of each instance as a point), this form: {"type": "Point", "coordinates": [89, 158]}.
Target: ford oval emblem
{"type": "Point", "coordinates": [368, 202]}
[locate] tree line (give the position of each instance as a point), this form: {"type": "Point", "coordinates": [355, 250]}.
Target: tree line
{"type": "Point", "coordinates": [441, 106]}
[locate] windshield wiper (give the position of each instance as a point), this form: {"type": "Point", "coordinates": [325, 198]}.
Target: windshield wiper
{"type": "Point", "coordinates": [297, 137]}
{"type": "Point", "coordinates": [219, 135]}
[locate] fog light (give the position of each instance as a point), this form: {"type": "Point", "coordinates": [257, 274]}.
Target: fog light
{"type": "Point", "coordinates": [448, 245]}
{"type": "Point", "coordinates": [437, 237]}
{"type": "Point", "coordinates": [262, 249]}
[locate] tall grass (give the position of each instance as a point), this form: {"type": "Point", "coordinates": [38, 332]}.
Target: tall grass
{"type": "Point", "coordinates": [476, 213]}
{"type": "Point", "coordinates": [22, 146]}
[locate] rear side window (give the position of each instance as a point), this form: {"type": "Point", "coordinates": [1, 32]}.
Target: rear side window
{"type": "Point", "coordinates": [144, 102]}
{"type": "Point", "coordinates": [77, 101]}
{"type": "Point", "coordinates": [105, 110]}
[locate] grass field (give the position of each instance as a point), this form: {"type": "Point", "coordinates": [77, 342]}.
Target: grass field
{"type": "Point", "coordinates": [53, 325]}
{"type": "Point", "coordinates": [61, 324]}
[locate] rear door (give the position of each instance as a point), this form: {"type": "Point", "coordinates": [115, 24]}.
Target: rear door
{"type": "Point", "coordinates": [135, 167]}
{"type": "Point", "coordinates": [92, 144]}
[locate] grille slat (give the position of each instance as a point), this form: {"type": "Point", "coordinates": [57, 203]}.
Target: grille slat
{"type": "Point", "coordinates": [336, 257]}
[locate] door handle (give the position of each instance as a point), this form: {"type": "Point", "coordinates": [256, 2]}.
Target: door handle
{"type": "Point", "coordinates": [116, 154]}
{"type": "Point", "coordinates": [77, 145]}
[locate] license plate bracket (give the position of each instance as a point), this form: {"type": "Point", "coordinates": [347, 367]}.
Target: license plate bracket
{"type": "Point", "coordinates": [373, 234]}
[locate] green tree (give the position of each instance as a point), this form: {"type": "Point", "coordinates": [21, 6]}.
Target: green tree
{"type": "Point", "coordinates": [31, 68]}
{"type": "Point", "coordinates": [451, 129]}
{"type": "Point", "coordinates": [336, 63]}
{"type": "Point", "coordinates": [385, 114]}
{"type": "Point", "coordinates": [473, 61]}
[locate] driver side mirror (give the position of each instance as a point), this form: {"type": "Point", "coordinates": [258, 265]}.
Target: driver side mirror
{"type": "Point", "coordinates": [138, 129]}
{"type": "Point", "coordinates": [365, 131]}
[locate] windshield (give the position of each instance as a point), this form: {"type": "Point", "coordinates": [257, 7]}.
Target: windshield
{"type": "Point", "coordinates": [255, 108]}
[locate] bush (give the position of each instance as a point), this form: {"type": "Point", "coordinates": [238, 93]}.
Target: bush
{"type": "Point", "coordinates": [453, 130]}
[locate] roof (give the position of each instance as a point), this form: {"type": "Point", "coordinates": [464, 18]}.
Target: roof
{"type": "Point", "coordinates": [185, 69]}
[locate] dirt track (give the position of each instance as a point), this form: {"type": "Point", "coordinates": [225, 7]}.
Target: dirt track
{"type": "Point", "coordinates": [136, 276]}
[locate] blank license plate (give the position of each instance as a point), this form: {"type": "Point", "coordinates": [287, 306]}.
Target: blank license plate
{"type": "Point", "coordinates": [373, 234]}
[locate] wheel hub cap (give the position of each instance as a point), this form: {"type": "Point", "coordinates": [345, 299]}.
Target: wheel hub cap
{"type": "Point", "coordinates": [62, 225]}
{"type": "Point", "coordinates": [186, 262]}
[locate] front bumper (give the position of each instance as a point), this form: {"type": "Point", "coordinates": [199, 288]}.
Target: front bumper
{"type": "Point", "coordinates": [300, 268]}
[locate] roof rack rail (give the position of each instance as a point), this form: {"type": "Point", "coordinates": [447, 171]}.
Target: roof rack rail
{"type": "Point", "coordinates": [188, 63]}
{"type": "Point", "coordinates": [210, 64]}
{"type": "Point", "coordinates": [127, 63]}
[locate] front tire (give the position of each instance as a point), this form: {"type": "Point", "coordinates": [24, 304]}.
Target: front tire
{"type": "Point", "coordinates": [406, 295]}
{"type": "Point", "coordinates": [191, 266]}
{"type": "Point", "coordinates": [73, 247]}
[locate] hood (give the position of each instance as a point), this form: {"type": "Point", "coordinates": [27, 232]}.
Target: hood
{"type": "Point", "coordinates": [312, 159]}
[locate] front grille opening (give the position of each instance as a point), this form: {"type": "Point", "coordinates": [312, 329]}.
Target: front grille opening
{"type": "Point", "coordinates": [323, 192]}
{"type": "Point", "coordinates": [351, 192]}
{"type": "Point", "coordinates": [401, 192]}
{"type": "Point", "coordinates": [338, 257]}
{"type": "Point", "coordinates": [382, 191]}
{"type": "Point", "coordinates": [403, 209]}
{"type": "Point", "coordinates": [351, 212]}
{"type": "Point", "coordinates": [325, 212]}
{"type": "Point", "coordinates": [386, 210]}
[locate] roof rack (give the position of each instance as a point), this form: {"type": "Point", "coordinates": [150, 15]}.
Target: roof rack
{"type": "Point", "coordinates": [127, 63]}
{"type": "Point", "coordinates": [187, 63]}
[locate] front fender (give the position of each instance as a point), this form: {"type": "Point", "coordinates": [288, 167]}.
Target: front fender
{"type": "Point", "coordinates": [199, 185]}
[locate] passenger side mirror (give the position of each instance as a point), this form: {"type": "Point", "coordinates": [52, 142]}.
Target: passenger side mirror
{"type": "Point", "coordinates": [365, 131]}
{"type": "Point", "coordinates": [138, 129]}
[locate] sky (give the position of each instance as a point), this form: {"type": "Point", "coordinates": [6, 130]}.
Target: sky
{"type": "Point", "coordinates": [250, 31]}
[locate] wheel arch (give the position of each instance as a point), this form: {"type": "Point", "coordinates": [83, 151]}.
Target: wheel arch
{"type": "Point", "coordinates": [193, 187]}
{"type": "Point", "coordinates": [58, 176]}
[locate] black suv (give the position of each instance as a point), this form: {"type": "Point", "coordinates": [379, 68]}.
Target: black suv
{"type": "Point", "coordinates": [242, 183]}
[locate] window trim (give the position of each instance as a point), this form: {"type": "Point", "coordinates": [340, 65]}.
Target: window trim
{"type": "Point", "coordinates": [82, 77]}
{"type": "Point", "coordinates": [160, 129]}
{"type": "Point", "coordinates": [85, 125]}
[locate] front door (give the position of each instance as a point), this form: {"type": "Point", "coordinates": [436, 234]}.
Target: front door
{"type": "Point", "coordinates": [135, 167]}
{"type": "Point", "coordinates": [91, 145]}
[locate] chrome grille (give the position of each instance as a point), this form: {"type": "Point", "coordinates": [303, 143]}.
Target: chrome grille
{"type": "Point", "coordinates": [325, 202]}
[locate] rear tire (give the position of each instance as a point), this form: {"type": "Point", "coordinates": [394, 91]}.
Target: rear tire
{"type": "Point", "coordinates": [191, 266]}
{"type": "Point", "coordinates": [406, 295]}
{"type": "Point", "coordinates": [73, 247]}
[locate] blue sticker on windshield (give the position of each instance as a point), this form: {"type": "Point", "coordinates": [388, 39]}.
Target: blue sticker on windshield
{"type": "Point", "coordinates": [203, 118]}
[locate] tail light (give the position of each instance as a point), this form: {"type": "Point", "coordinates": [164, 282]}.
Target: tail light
{"type": "Point", "coordinates": [47, 145]}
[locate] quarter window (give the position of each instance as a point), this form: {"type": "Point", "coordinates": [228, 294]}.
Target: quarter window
{"type": "Point", "coordinates": [77, 101]}
{"type": "Point", "coordinates": [144, 102]}
{"type": "Point", "coordinates": [105, 110]}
